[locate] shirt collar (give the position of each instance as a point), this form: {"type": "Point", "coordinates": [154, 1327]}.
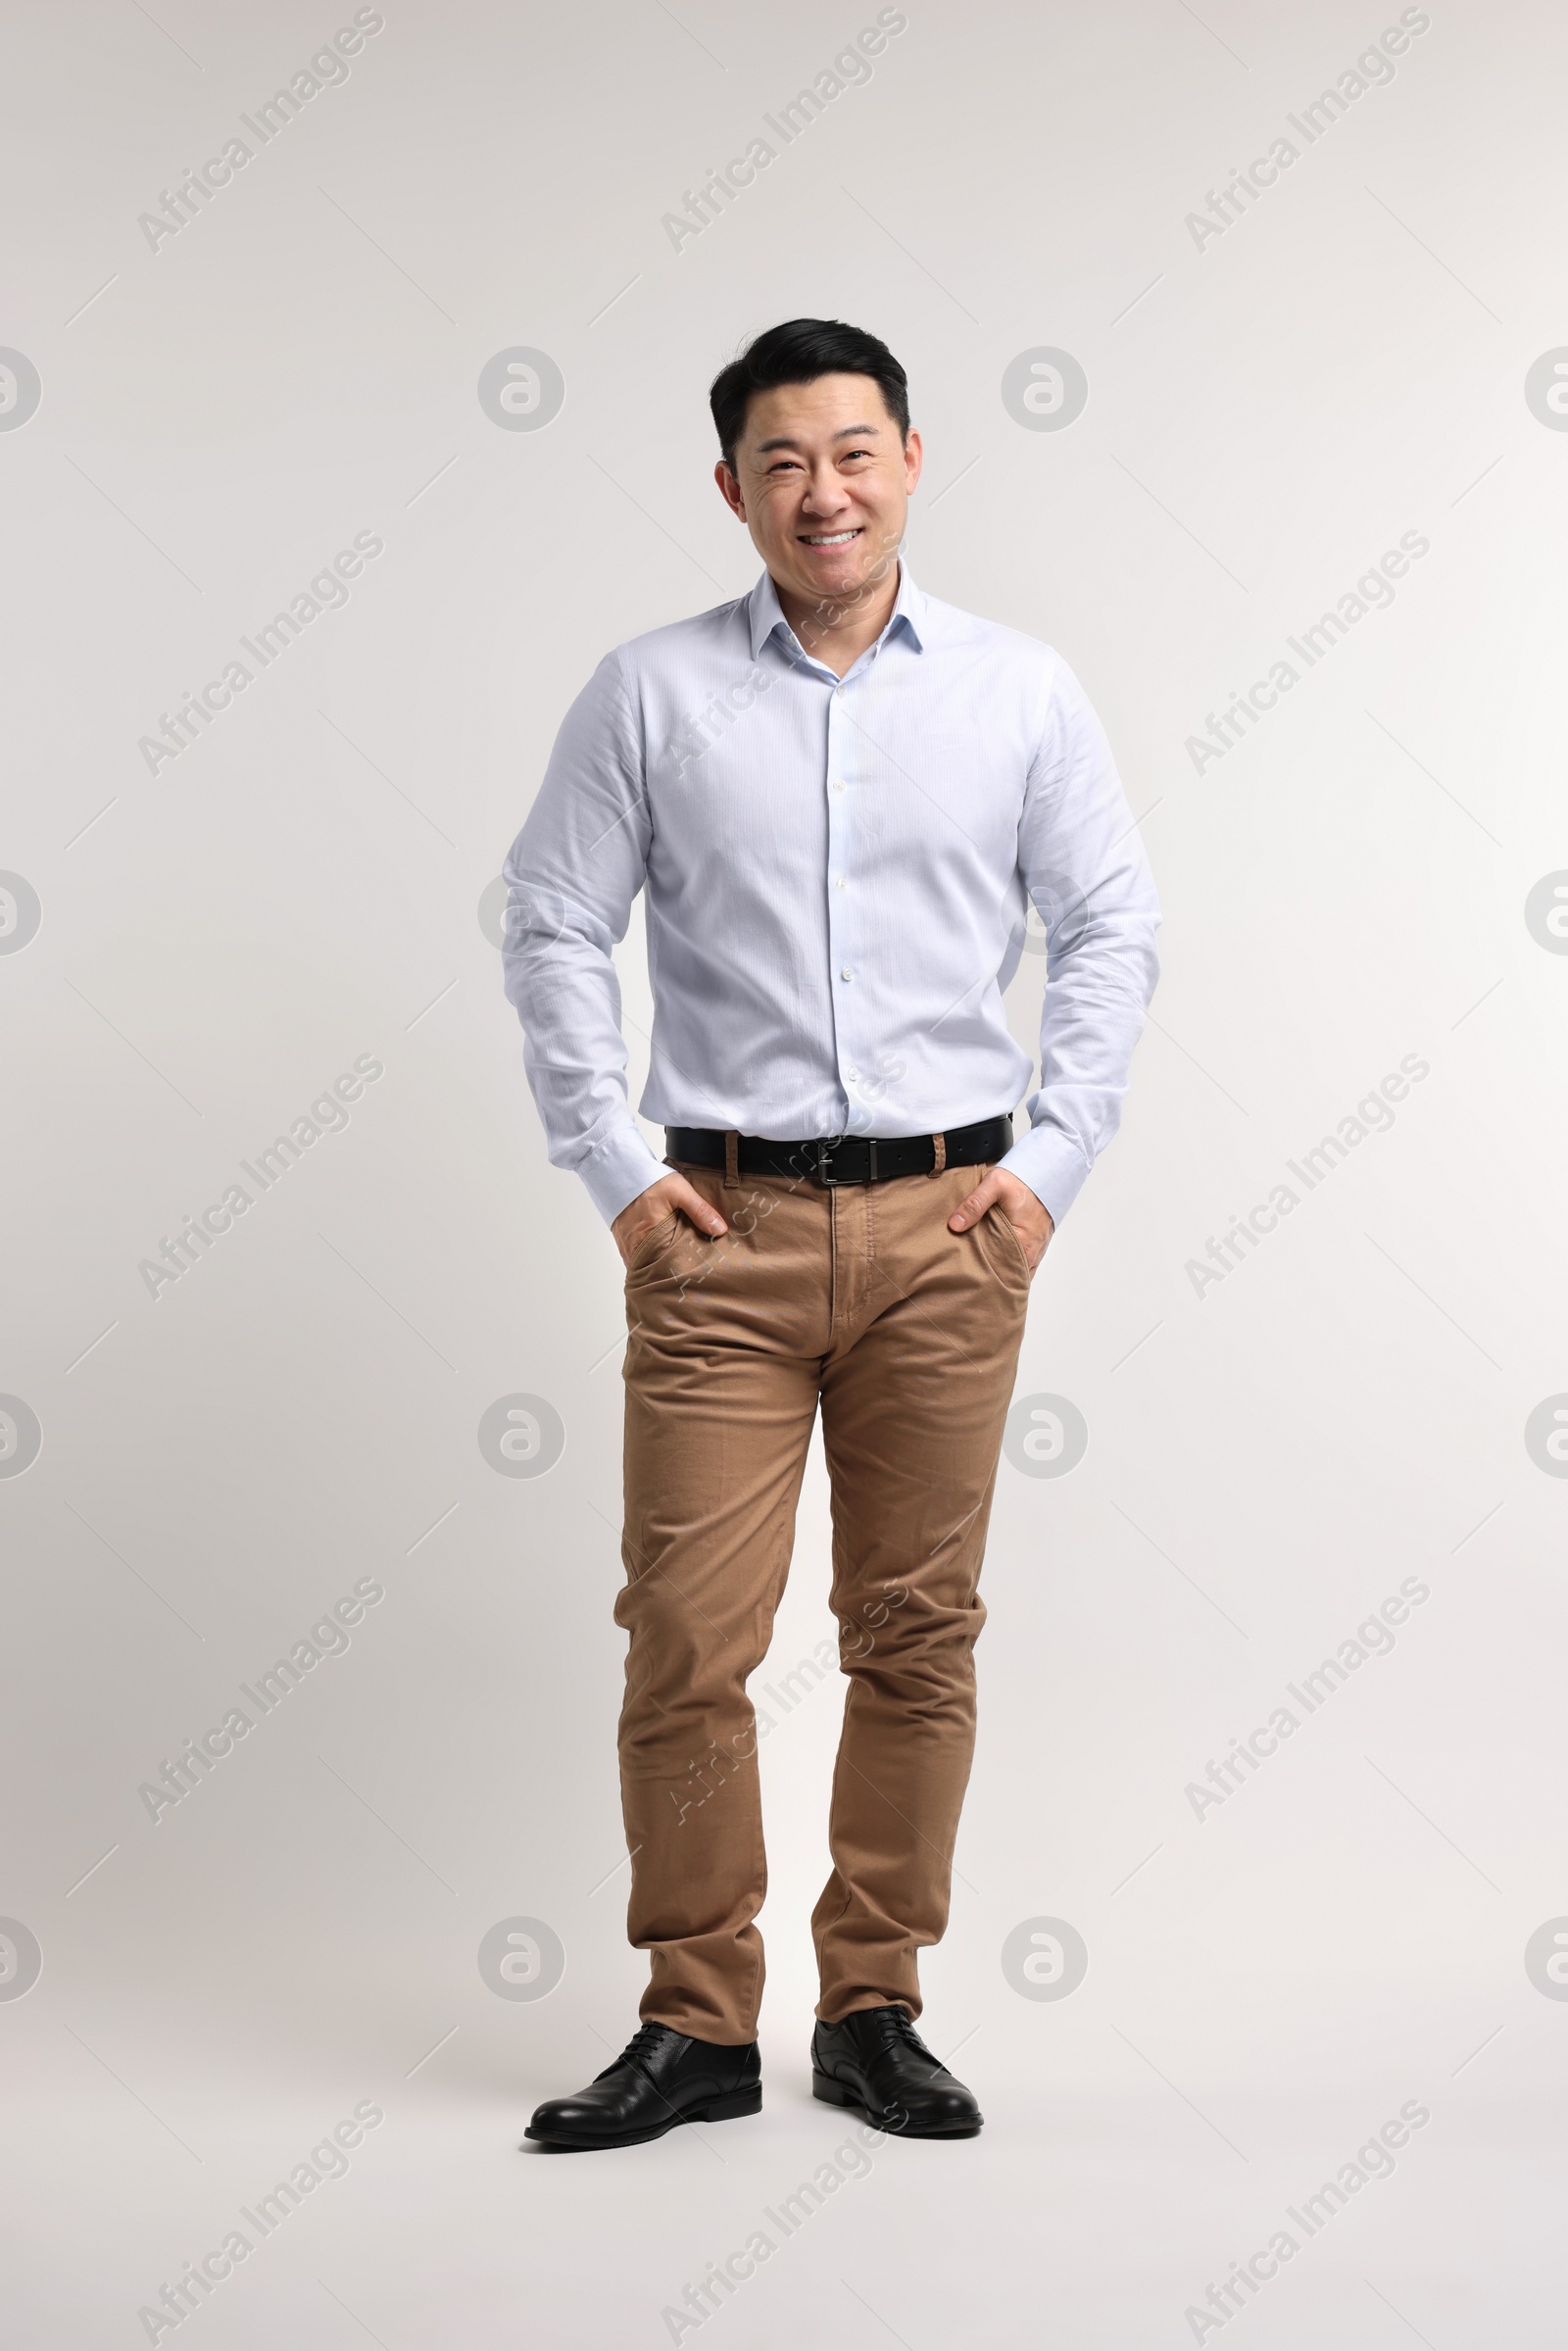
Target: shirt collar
{"type": "Point", "coordinates": [766, 614]}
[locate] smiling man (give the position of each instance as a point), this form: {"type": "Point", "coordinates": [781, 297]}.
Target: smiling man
{"type": "Point", "coordinates": [841, 798]}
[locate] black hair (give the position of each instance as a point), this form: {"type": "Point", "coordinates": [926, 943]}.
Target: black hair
{"type": "Point", "coordinates": [798, 353]}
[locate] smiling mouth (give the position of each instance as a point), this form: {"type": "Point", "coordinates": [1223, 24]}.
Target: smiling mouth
{"type": "Point", "coordinates": [836, 538]}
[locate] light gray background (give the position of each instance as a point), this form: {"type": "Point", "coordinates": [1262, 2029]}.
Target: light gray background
{"type": "Point", "coordinates": [1266, 1461]}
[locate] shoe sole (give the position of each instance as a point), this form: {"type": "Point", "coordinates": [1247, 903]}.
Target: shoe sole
{"type": "Point", "coordinates": [718, 2110]}
{"type": "Point", "coordinates": [836, 2093]}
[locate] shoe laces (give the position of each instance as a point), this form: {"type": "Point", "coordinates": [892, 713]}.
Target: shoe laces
{"type": "Point", "coordinates": [642, 2044]}
{"type": "Point", "coordinates": [898, 2024]}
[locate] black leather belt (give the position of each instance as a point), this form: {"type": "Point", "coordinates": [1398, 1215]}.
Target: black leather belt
{"type": "Point", "coordinates": [843, 1158]}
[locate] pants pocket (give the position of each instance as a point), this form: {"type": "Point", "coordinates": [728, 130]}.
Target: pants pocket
{"type": "Point", "coordinates": [1004, 1244]}
{"type": "Point", "coordinates": [654, 1243]}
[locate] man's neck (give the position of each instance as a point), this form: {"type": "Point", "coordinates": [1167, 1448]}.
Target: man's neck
{"type": "Point", "coordinates": [836, 632]}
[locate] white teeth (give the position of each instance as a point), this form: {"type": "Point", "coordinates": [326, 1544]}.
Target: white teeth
{"type": "Point", "coordinates": [840, 538]}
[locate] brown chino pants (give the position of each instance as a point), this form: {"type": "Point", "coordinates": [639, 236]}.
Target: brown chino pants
{"type": "Point", "coordinates": [907, 1334]}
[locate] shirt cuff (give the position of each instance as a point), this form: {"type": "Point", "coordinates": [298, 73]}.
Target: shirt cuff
{"type": "Point", "coordinates": [617, 1169]}
{"type": "Point", "coordinates": [1052, 1166]}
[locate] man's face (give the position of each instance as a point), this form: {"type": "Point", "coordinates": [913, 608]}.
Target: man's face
{"type": "Point", "coordinates": [823, 483]}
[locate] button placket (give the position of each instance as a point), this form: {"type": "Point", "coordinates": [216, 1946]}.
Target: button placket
{"type": "Point", "coordinates": [842, 948]}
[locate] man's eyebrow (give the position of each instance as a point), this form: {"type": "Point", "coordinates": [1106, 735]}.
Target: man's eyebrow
{"type": "Point", "coordinates": [787, 440]}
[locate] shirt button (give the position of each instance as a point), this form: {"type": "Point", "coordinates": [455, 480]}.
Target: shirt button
{"type": "Point", "coordinates": [838, 787]}
{"type": "Point", "coordinates": [844, 973]}
{"type": "Point", "coordinates": [839, 884]}
{"type": "Point", "coordinates": [853, 1075]}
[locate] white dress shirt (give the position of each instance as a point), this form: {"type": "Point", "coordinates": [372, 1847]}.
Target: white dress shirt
{"type": "Point", "coordinates": [837, 878]}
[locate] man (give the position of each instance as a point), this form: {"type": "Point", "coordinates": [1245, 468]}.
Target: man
{"type": "Point", "coordinates": [840, 797]}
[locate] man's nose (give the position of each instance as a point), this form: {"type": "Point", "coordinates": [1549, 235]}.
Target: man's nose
{"type": "Point", "coordinates": [826, 494]}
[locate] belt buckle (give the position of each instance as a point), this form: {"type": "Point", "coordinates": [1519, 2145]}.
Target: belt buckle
{"type": "Point", "coordinates": [827, 1151]}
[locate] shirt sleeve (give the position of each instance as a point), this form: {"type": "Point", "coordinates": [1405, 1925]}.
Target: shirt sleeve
{"type": "Point", "coordinates": [1084, 867]}
{"type": "Point", "coordinates": [572, 874]}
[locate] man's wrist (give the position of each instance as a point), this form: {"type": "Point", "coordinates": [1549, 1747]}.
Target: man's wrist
{"type": "Point", "coordinates": [1052, 1166]}
{"type": "Point", "coordinates": [618, 1170]}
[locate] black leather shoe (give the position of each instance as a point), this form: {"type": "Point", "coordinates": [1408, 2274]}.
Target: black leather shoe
{"type": "Point", "coordinates": [660, 2078]}
{"type": "Point", "coordinates": [876, 2060]}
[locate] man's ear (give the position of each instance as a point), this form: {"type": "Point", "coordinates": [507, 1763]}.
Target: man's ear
{"type": "Point", "coordinates": [729, 490]}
